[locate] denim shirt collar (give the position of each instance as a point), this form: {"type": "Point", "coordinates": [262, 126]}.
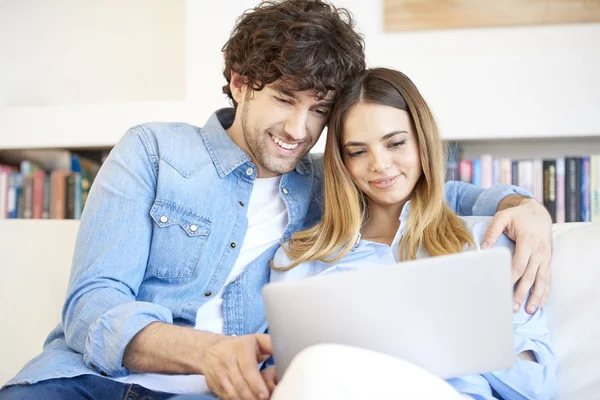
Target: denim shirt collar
{"type": "Point", "coordinates": [225, 154]}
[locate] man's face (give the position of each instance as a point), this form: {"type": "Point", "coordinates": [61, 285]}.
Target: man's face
{"type": "Point", "coordinates": [280, 126]}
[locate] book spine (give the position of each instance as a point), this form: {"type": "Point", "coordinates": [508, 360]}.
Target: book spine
{"type": "Point", "coordinates": [77, 194]}
{"type": "Point", "coordinates": [70, 196]}
{"type": "Point", "coordinates": [487, 171]}
{"type": "Point", "coordinates": [549, 168]}
{"type": "Point", "coordinates": [451, 173]}
{"type": "Point", "coordinates": [27, 197]}
{"type": "Point", "coordinates": [514, 176]}
{"type": "Point", "coordinates": [585, 189]}
{"type": "Point", "coordinates": [46, 199]}
{"type": "Point", "coordinates": [496, 171]}
{"type": "Point", "coordinates": [525, 175]}
{"type": "Point", "coordinates": [595, 187]}
{"type": "Point", "coordinates": [572, 188]}
{"type": "Point", "coordinates": [38, 193]}
{"type": "Point", "coordinates": [560, 191]}
{"type": "Point", "coordinates": [538, 180]}
{"type": "Point", "coordinates": [3, 192]}
{"type": "Point", "coordinates": [506, 171]}
{"type": "Point", "coordinates": [476, 172]}
{"type": "Point", "coordinates": [14, 193]}
{"type": "Point", "coordinates": [466, 171]}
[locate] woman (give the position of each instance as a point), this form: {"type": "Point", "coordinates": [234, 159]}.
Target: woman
{"type": "Point", "coordinates": [384, 201]}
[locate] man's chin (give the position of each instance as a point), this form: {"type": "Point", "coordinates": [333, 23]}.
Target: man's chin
{"type": "Point", "coordinates": [281, 168]}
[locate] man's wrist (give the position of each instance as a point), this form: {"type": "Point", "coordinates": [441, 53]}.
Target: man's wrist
{"type": "Point", "coordinates": [513, 200]}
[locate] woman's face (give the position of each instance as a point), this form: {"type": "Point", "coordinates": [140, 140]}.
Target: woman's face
{"type": "Point", "coordinates": [381, 152]}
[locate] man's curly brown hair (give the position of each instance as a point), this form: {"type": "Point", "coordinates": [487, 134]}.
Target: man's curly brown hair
{"type": "Point", "coordinates": [308, 44]}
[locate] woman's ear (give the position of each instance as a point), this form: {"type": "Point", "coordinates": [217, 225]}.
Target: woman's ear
{"type": "Point", "coordinates": [238, 87]}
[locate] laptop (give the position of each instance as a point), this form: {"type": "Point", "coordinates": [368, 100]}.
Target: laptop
{"type": "Point", "coordinates": [451, 315]}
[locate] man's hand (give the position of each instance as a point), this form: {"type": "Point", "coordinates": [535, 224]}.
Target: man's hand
{"type": "Point", "coordinates": [527, 222]}
{"type": "Point", "coordinates": [229, 365]}
{"type": "Point", "coordinates": [270, 377]}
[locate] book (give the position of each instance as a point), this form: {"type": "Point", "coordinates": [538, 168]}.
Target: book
{"type": "Point", "coordinates": [487, 171]}
{"type": "Point", "coordinates": [453, 156]}
{"type": "Point", "coordinates": [58, 194]}
{"type": "Point", "coordinates": [15, 185]}
{"type": "Point", "coordinates": [572, 189]}
{"type": "Point", "coordinates": [4, 173]}
{"type": "Point", "coordinates": [466, 171]}
{"type": "Point", "coordinates": [595, 188]}
{"type": "Point", "coordinates": [46, 197]}
{"type": "Point", "coordinates": [549, 176]}
{"type": "Point", "coordinates": [514, 176]}
{"type": "Point", "coordinates": [585, 189]}
{"type": "Point", "coordinates": [538, 180]}
{"type": "Point", "coordinates": [38, 193]}
{"type": "Point", "coordinates": [506, 171]}
{"type": "Point", "coordinates": [560, 191]}
{"type": "Point", "coordinates": [525, 175]}
{"type": "Point", "coordinates": [496, 171]}
{"type": "Point", "coordinates": [476, 179]}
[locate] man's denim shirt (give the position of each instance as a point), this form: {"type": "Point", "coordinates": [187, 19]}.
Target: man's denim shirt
{"type": "Point", "coordinates": [161, 230]}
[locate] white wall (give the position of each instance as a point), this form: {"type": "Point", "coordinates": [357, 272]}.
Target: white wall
{"type": "Point", "coordinates": [65, 52]}
{"type": "Point", "coordinates": [481, 83]}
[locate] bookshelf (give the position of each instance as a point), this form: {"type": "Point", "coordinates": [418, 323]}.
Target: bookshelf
{"type": "Point", "coordinates": [562, 172]}
{"type": "Point", "coordinates": [56, 133]}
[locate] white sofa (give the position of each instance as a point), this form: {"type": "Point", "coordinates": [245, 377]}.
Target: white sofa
{"type": "Point", "coordinates": [36, 258]}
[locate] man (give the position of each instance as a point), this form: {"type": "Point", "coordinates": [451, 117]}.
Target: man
{"type": "Point", "coordinates": [174, 243]}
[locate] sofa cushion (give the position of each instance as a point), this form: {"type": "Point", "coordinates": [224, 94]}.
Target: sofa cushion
{"type": "Point", "coordinates": [573, 309]}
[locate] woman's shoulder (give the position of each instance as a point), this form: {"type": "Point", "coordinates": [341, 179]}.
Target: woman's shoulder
{"type": "Point", "coordinates": [281, 260]}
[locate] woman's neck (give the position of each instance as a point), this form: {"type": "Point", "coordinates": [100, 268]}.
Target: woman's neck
{"type": "Point", "coordinates": [383, 223]}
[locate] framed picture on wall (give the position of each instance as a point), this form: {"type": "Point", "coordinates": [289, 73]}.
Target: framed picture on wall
{"type": "Point", "coordinates": [400, 15]}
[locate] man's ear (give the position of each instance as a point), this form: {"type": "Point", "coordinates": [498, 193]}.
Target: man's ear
{"type": "Point", "coordinates": [238, 87]}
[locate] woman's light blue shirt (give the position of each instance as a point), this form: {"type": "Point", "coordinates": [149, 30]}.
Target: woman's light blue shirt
{"type": "Point", "coordinates": [525, 380]}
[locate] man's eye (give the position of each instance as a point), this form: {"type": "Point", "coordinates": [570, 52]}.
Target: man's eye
{"type": "Point", "coordinates": [284, 101]}
{"type": "Point", "coordinates": [322, 112]}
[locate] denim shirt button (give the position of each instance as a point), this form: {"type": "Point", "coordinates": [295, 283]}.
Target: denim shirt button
{"type": "Point", "coordinates": [193, 228]}
{"type": "Point", "coordinates": [249, 171]}
{"type": "Point", "coordinates": [232, 245]}
{"type": "Point", "coordinates": [207, 294]}
{"type": "Point", "coordinates": [285, 191]}
{"type": "Point", "coordinates": [163, 219]}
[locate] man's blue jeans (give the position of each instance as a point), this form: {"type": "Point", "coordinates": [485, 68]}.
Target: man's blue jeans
{"type": "Point", "coordinates": [86, 387]}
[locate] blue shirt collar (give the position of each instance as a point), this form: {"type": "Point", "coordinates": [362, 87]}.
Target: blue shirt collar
{"type": "Point", "coordinates": [225, 154]}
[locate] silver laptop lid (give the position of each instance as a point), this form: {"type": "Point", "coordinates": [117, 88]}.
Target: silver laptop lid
{"type": "Point", "coordinates": [451, 315]}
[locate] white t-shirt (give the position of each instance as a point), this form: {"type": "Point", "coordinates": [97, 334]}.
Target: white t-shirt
{"type": "Point", "coordinates": [267, 219]}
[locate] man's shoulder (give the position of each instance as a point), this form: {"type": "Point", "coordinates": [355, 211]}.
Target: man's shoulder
{"type": "Point", "coordinates": [178, 144]}
{"type": "Point", "coordinates": [170, 134]}
{"type": "Point", "coordinates": [314, 163]}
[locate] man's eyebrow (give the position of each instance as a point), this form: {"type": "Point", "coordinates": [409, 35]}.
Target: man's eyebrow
{"type": "Point", "coordinates": [384, 137]}
{"type": "Point", "coordinates": [289, 93]}
{"type": "Point", "coordinates": [286, 92]}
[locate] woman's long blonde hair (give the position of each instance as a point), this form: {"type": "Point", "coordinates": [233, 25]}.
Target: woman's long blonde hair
{"type": "Point", "coordinates": [431, 223]}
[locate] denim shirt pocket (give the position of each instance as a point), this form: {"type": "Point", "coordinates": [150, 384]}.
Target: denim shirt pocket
{"type": "Point", "coordinates": [177, 240]}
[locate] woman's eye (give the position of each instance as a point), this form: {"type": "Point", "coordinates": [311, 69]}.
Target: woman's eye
{"type": "Point", "coordinates": [398, 144]}
{"type": "Point", "coordinates": [355, 153]}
